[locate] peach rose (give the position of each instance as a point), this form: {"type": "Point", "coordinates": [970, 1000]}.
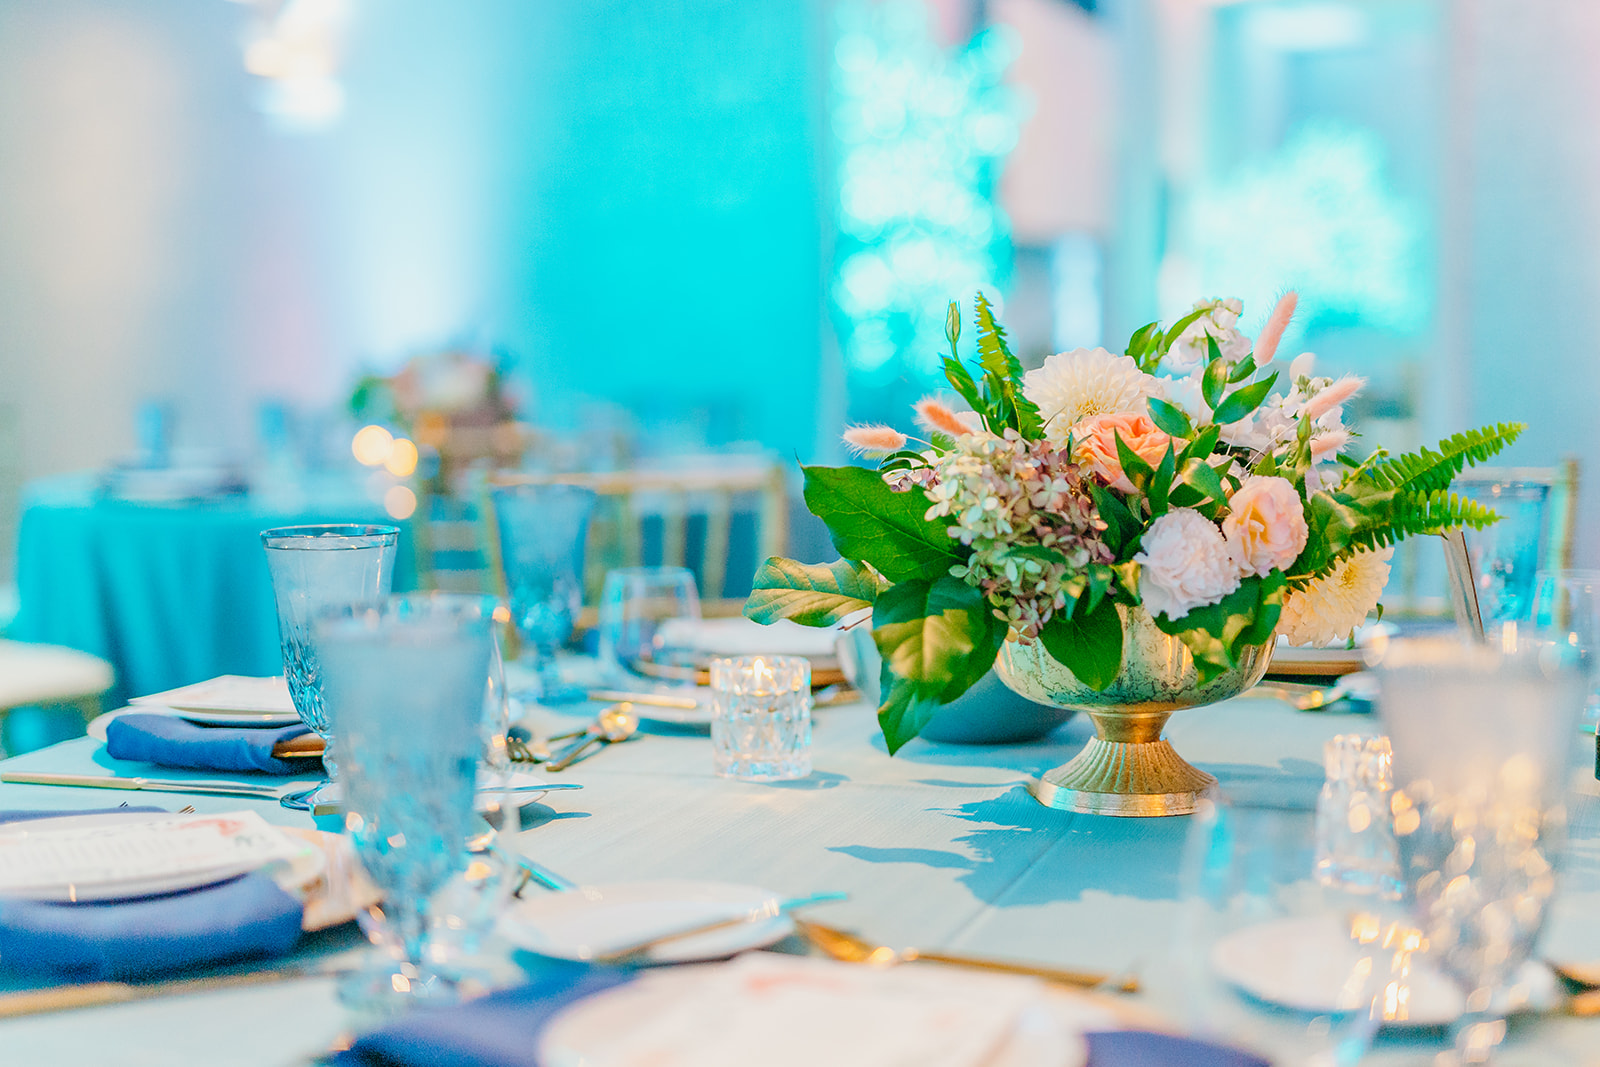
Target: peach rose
{"type": "Point", "coordinates": [1266, 525]}
{"type": "Point", "coordinates": [1096, 439]}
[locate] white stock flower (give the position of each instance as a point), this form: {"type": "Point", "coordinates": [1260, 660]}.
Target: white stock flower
{"type": "Point", "coordinates": [1221, 322]}
{"type": "Point", "coordinates": [1330, 608]}
{"type": "Point", "coordinates": [1185, 564]}
{"type": "Point", "coordinates": [1071, 386]}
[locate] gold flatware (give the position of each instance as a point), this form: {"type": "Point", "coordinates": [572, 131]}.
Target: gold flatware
{"type": "Point", "coordinates": [852, 949]}
{"type": "Point", "coordinates": [615, 723]}
{"type": "Point", "coordinates": [98, 994]}
{"type": "Point", "coordinates": [149, 785]}
{"type": "Point", "coordinates": [769, 910]}
{"type": "Point", "coordinates": [651, 700]}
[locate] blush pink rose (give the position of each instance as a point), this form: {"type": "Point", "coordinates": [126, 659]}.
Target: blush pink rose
{"type": "Point", "coordinates": [1096, 439]}
{"type": "Point", "coordinates": [1266, 525]}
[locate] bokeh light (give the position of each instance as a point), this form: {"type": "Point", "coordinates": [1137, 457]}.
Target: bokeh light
{"type": "Point", "coordinates": [371, 446]}
{"type": "Point", "coordinates": [402, 459]}
{"type": "Point", "coordinates": [400, 502]}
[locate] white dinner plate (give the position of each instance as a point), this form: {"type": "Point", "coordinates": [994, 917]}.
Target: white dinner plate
{"type": "Point", "coordinates": [737, 636]}
{"type": "Point", "coordinates": [262, 719]}
{"type": "Point", "coordinates": [227, 693]}
{"type": "Point", "coordinates": [793, 1011]}
{"type": "Point", "coordinates": [526, 786]}
{"type": "Point", "coordinates": [301, 870]}
{"type": "Point", "coordinates": [593, 920]}
{"type": "Point", "coordinates": [1302, 963]}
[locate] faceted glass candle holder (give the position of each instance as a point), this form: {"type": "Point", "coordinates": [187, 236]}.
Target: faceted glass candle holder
{"type": "Point", "coordinates": [761, 718]}
{"type": "Point", "coordinates": [1356, 847]}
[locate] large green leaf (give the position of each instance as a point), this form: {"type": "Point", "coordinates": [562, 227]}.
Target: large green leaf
{"type": "Point", "coordinates": [812, 594]}
{"type": "Point", "coordinates": [1242, 402]}
{"type": "Point", "coordinates": [869, 521]}
{"type": "Point", "coordinates": [1087, 642]}
{"type": "Point", "coordinates": [1217, 634]}
{"type": "Point", "coordinates": [937, 639]}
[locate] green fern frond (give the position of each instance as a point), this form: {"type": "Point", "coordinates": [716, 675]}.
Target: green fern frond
{"type": "Point", "coordinates": [1003, 375]}
{"type": "Point", "coordinates": [1424, 513]}
{"type": "Point", "coordinates": [1426, 470]}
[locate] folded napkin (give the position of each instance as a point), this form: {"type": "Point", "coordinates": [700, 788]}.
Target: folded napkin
{"type": "Point", "coordinates": [31, 814]}
{"type": "Point", "coordinates": [174, 742]}
{"type": "Point", "coordinates": [499, 1030]}
{"type": "Point", "coordinates": [245, 917]}
{"type": "Point", "coordinates": [1139, 1048]}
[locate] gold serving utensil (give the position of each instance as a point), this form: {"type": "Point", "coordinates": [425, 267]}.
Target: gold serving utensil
{"type": "Point", "coordinates": [852, 949]}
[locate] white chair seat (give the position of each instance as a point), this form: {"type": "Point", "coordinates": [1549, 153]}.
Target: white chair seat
{"type": "Point", "coordinates": [49, 674]}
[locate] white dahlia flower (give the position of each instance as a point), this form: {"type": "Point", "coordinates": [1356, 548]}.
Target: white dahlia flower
{"type": "Point", "coordinates": [1071, 386]}
{"type": "Point", "coordinates": [1330, 608]}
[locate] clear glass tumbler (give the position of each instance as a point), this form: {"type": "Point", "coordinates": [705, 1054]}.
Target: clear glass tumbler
{"type": "Point", "coordinates": [1506, 555]}
{"type": "Point", "coordinates": [406, 684]}
{"type": "Point", "coordinates": [1567, 603]}
{"type": "Point", "coordinates": [761, 718]}
{"type": "Point", "coordinates": [543, 530]}
{"type": "Point", "coordinates": [315, 568]}
{"type": "Point", "coordinates": [638, 609]}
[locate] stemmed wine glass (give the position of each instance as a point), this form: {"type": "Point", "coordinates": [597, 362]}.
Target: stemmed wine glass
{"type": "Point", "coordinates": [314, 568]}
{"type": "Point", "coordinates": [406, 685]}
{"type": "Point", "coordinates": [1483, 742]}
{"type": "Point", "coordinates": [543, 529]}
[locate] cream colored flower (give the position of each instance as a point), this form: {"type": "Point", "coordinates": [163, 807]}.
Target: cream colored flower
{"type": "Point", "coordinates": [1071, 386]}
{"type": "Point", "coordinates": [1184, 564]}
{"type": "Point", "coordinates": [1266, 525]}
{"type": "Point", "coordinates": [1330, 608]}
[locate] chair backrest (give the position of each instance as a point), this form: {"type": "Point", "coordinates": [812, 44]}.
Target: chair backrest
{"type": "Point", "coordinates": [712, 519]}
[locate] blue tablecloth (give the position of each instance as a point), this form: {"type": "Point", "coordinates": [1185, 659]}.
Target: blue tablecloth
{"type": "Point", "coordinates": [169, 593]}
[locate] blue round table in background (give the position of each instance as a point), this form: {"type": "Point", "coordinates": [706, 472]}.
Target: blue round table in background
{"type": "Point", "coordinates": [169, 593]}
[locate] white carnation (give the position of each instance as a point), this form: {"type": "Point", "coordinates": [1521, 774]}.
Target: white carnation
{"type": "Point", "coordinates": [1071, 386]}
{"type": "Point", "coordinates": [1184, 564]}
{"type": "Point", "coordinates": [1330, 608]}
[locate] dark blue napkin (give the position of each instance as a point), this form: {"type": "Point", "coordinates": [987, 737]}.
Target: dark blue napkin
{"type": "Point", "coordinates": [499, 1030]}
{"type": "Point", "coordinates": [1139, 1048]}
{"type": "Point", "coordinates": [174, 742]}
{"type": "Point", "coordinates": [31, 814]}
{"type": "Point", "coordinates": [243, 918]}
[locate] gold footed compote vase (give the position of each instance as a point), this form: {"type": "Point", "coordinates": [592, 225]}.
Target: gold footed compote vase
{"type": "Point", "coordinates": [1127, 768]}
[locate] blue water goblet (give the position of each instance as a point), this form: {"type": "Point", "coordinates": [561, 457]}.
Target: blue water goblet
{"type": "Point", "coordinates": [314, 568]}
{"type": "Point", "coordinates": [405, 683]}
{"type": "Point", "coordinates": [542, 530]}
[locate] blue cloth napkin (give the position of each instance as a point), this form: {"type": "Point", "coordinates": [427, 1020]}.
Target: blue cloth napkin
{"type": "Point", "coordinates": [174, 742]}
{"type": "Point", "coordinates": [245, 917]}
{"type": "Point", "coordinates": [1139, 1048]}
{"type": "Point", "coordinates": [499, 1030]}
{"type": "Point", "coordinates": [30, 814]}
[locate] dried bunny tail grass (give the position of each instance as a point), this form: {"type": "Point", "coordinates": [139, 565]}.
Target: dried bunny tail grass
{"type": "Point", "coordinates": [1267, 343]}
{"type": "Point", "coordinates": [1334, 395]}
{"type": "Point", "coordinates": [1327, 444]}
{"type": "Point", "coordinates": [936, 416]}
{"type": "Point", "coordinates": [874, 440]}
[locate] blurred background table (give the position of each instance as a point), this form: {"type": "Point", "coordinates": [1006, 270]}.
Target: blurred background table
{"type": "Point", "coordinates": [168, 593]}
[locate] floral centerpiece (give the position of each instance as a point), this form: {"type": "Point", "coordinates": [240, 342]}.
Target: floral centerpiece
{"type": "Point", "coordinates": [455, 403]}
{"type": "Point", "coordinates": [1096, 494]}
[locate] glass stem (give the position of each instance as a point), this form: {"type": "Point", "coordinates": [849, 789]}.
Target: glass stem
{"type": "Point", "coordinates": [549, 676]}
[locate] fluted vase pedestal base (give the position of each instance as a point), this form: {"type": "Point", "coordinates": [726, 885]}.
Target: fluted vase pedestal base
{"type": "Point", "coordinates": [1124, 777]}
{"type": "Point", "coordinates": [1127, 768]}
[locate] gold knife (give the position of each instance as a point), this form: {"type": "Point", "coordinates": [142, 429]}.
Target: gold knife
{"type": "Point", "coordinates": [97, 994]}
{"type": "Point", "coordinates": [150, 785]}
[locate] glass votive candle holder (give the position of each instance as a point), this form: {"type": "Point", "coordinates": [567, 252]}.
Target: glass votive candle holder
{"type": "Point", "coordinates": [1356, 850]}
{"type": "Point", "coordinates": [761, 718]}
